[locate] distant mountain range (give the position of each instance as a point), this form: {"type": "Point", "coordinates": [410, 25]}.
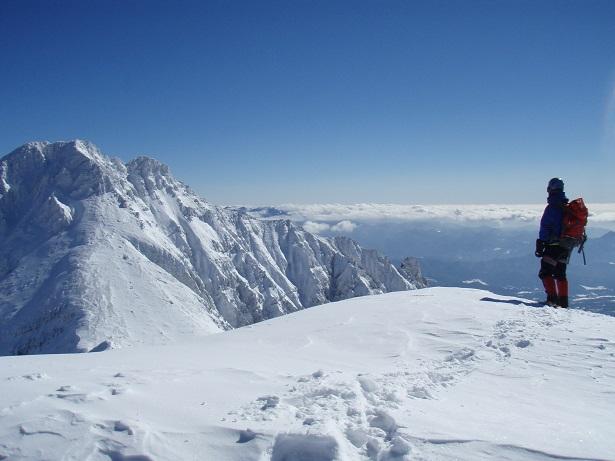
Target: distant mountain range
{"type": "Point", "coordinates": [476, 246]}
{"type": "Point", "coordinates": [96, 253]}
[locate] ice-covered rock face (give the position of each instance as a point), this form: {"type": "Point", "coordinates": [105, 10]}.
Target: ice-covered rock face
{"type": "Point", "coordinates": [148, 175]}
{"type": "Point", "coordinates": [37, 171]}
{"type": "Point", "coordinates": [95, 250]}
{"type": "Point", "coordinates": [39, 183]}
{"type": "Point", "coordinates": [411, 269]}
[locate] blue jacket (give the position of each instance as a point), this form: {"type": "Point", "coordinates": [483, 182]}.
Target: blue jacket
{"type": "Point", "coordinates": [551, 222]}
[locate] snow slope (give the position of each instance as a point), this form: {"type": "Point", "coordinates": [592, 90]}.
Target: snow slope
{"type": "Point", "coordinates": [433, 374]}
{"type": "Point", "coordinates": [95, 253]}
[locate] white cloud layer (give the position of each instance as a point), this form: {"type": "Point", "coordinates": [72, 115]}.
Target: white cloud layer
{"type": "Point", "coordinates": [315, 227]}
{"type": "Point", "coordinates": [319, 227]}
{"type": "Point", "coordinates": [346, 216]}
{"type": "Point", "coordinates": [344, 226]}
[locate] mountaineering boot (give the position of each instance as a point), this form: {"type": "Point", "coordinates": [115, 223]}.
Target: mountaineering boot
{"type": "Point", "coordinates": [562, 301]}
{"type": "Point", "coordinates": [551, 301]}
{"type": "Point", "coordinates": [562, 293]}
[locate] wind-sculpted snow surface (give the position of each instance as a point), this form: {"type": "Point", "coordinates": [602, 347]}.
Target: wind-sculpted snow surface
{"type": "Point", "coordinates": [95, 253]}
{"type": "Point", "coordinates": [433, 374]}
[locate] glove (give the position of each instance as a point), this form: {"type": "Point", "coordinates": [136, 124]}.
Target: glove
{"type": "Point", "coordinates": [540, 248]}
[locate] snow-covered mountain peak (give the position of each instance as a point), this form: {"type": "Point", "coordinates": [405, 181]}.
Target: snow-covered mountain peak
{"type": "Point", "coordinates": [94, 251]}
{"type": "Point", "coordinates": [79, 147]}
{"type": "Point", "coordinates": [147, 175]}
{"type": "Point", "coordinates": [40, 169]}
{"type": "Point", "coordinates": [147, 166]}
{"type": "Point", "coordinates": [45, 151]}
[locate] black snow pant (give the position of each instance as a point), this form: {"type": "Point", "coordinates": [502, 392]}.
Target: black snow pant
{"type": "Point", "coordinates": [554, 262]}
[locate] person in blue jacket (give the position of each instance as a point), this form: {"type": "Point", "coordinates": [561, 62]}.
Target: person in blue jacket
{"type": "Point", "coordinates": [555, 257]}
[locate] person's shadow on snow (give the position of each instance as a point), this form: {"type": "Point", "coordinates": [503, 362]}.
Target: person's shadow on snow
{"type": "Point", "coordinates": [516, 302]}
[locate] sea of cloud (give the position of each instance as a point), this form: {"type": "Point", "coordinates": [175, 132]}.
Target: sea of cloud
{"type": "Point", "coordinates": [343, 218]}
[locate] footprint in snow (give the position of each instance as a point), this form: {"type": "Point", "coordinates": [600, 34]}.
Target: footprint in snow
{"type": "Point", "coordinates": [367, 385]}
{"type": "Point", "coordinates": [29, 377]}
{"type": "Point", "coordinates": [316, 375]}
{"type": "Point", "coordinates": [118, 390]}
{"type": "Point", "coordinates": [292, 447]}
{"type": "Point", "coordinates": [419, 392]}
{"type": "Point", "coordinates": [269, 401]}
{"type": "Point", "coordinates": [523, 343]}
{"type": "Point", "coordinates": [120, 426]}
{"type": "Point", "coordinates": [383, 420]}
{"type": "Point", "coordinates": [247, 435]}
{"type": "Point", "coordinates": [75, 397]}
{"type": "Point", "coordinates": [66, 388]}
{"type": "Point", "coordinates": [461, 355]}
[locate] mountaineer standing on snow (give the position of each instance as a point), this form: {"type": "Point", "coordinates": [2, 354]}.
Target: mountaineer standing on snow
{"type": "Point", "coordinates": [555, 256]}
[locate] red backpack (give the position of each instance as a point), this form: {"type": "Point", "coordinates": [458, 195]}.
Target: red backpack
{"type": "Point", "coordinates": [574, 222]}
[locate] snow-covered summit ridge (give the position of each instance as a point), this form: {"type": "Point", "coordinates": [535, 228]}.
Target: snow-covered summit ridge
{"type": "Point", "coordinates": [94, 251]}
{"type": "Point", "coordinates": [147, 167]}
{"type": "Point", "coordinates": [433, 374]}
{"type": "Point", "coordinates": [42, 155]}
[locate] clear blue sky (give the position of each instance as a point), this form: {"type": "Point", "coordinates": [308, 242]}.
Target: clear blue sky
{"type": "Point", "coordinates": [262, 102]}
